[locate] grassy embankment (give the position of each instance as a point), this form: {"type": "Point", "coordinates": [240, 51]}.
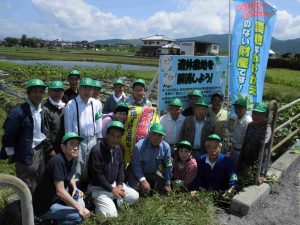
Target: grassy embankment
{"type": "Point", "coordinates": [122, 55]}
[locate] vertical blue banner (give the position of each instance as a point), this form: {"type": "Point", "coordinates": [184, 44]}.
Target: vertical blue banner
{"type": "Point", "coordinates": [251, 40]}
{"type": "Point", "coordinates": [180, 74]}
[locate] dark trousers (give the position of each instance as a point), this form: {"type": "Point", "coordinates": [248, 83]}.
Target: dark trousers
{"type": "Point", "coordinates": [31, 174]}
{"type": "Point", "coordinates": [155, 180]}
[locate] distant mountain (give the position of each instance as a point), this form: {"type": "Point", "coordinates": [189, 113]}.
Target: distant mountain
{"type": "Point", "coordinates": [134, 42]}
{"type": "Point", "coordinates": [278, 46]}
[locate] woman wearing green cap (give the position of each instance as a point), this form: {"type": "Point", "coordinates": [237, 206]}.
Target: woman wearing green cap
{"type": "Point", "coordinates": [24, 139]}
{"type": "Point", "coordinates": [120, 114]}
{"type": "Point", "coordinates": [117, 96]}
{"type": "Point", "coordinates": [184, 166]}
{"type": "Point", "coordinates": [138, 95]}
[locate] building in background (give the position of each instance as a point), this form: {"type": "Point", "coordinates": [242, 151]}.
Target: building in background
{"type": "Point", "coordinates": [198, 48]}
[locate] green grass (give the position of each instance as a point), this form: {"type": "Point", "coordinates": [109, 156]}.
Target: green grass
{"type": "Point", "coordinates": [107, 54]}
{"type": "Point", "coordinates": [164, 210]}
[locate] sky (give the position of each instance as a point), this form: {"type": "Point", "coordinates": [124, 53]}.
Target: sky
{"type": "Point", "coordinates": [108, 19]}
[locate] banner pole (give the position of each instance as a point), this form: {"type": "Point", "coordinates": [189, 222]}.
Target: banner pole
{"type": "Point", "coordinates": [229, 54]}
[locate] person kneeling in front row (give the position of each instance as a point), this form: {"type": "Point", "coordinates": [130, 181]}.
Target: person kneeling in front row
{"type": "Point", "coordinates": [106, 173]}
{"type": "Point", "coordinates": [215, 170]}
{"type": "Point", "coordinates": [51, 200]}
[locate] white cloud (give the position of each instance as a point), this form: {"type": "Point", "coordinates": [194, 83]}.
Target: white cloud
{"type": "Point", "coordinates": [76, 19]}
{"type": "Point", "coordinates": [286, 25]}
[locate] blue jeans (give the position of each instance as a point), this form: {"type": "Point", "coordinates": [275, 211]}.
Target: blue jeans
{"type": "Point", "coordinates": [63, 215]}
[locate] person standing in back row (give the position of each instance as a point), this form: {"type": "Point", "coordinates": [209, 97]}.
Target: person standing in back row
{"type": "Point", "coordinates": [81, 118]}
{"type": "Point", "coordinates": [54, 114]}
{"type": "Point", "coordinates": [218, 115]}
{"type": "Point", "coordinates": [117, 96]}
{"type": "Point", "coordinates": [24, 139]}
{"type": "Point", "coordinates": [72, 92]}
{"type": "Point", "coordinates": [138, 95]}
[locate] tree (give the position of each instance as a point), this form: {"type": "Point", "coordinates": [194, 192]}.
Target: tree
{"type": "Point", "coordinates": [10, 41]}
{"type": "Point", "coordinates": [23, 40]}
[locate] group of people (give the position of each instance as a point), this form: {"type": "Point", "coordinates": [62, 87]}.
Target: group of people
{"type": "Point", "coordinates": [71, 142]}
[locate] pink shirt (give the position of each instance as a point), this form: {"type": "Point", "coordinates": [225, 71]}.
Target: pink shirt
{"type": "Point", "coordinates": [188, 173]}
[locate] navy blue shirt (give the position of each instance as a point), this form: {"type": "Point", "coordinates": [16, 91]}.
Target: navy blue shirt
{"type": "Point", "coordinates": [106, 166]}
{"type": "Point", "coordinates": [57, 169]}
{"type": "Point", "coordinates": [219, 178]}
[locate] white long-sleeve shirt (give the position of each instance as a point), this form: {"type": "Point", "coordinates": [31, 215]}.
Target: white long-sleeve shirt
{"type": "Point", "coordinates": [89, 126]}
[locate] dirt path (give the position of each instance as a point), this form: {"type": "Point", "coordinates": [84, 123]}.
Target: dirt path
{"type": "Point", "coordinates": [282, 206]}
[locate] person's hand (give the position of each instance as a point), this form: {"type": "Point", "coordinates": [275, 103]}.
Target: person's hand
{"type": "Point", "coordinates": [85, 213]}
{"type": "Point", "coordinates": [228, 192]}
{"type": "Point", "coordinates": [121, 188]}
{"type": "Point", "coordinates": [145, 186]}
{"type": "Point", "coordinates": [193, 194]}
{"type": "Point", "coordinates": [261, 180]}
{"type": "Point", "coordinates": [167, 188]}
{"type": "Point", "coordinates": [117, 192]}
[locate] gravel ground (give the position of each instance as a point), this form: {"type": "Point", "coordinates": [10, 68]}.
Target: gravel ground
{"type": "Point", "coordinates": [282, 206]}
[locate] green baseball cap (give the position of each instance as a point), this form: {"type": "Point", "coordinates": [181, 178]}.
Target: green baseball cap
{"type": "Point", "coordinates": [119, 81]}
{"type": "Point", "coordinates": [158, 128]}
{"type": "Point", "coordinates": [86, 82]}
{"type": "Point", "coordinates": [175, 102]}
{"type": "Point", "coordinates": [74, 73]}
{"type": "Point", "coordinates": [36, 83]}
{"type": "Point", "coordinates": [56, 84]}
{"type": "Point", "coordinates": [201, 102]}
{"type": "Point", "coordinates": [121, 104]}
{"type": "Point", "coordinates": [116, 124]}
{"type": "Point", "coordinates": [139, 82]}
{"type": "Point", "coordinates": [196, 93]}
{"type": "Point", "coordinates": [241, 102]}
{"type": "Point", "coordinates": [260, 107]}
{"type": "Point", "coordinates": [214, 137]}
{"type": "Point", "coordinates": [71, 135]}
{"type": "Point", "coordinates": [185, 144]}
{"type": "Point", "coordinates": [97, 84]}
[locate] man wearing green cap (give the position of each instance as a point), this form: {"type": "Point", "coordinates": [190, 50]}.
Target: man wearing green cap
{"type": "Point", "coordinates": [239, 129]}
{"type": "Point", "coordinates": [194, 96]}
{"type": "Point", "coordinates": [24, 138]}
{"type": "Point", "coordinates": [173, 122]}
{"type": "Point", "coordinates": [253, 140]}
{"type": "Point", "coordinates": [82, 116]}
{"type": "Point", "coordinates": [138, 95]}
{"type": "Point", "coordinates": [218, 115]}
{"type": "Point", "coordinates": [56, 196]}
{"type": "Point", "coordinates": [120, 114]}
{"type": "Point", "coordinates": [54, 114]}
{"type": "Point", "coordinates": [151, 163]}
{"type": "Point", "coordinates": [197, 128]}
{"type": "Point", "coordinates": [97, 89]}
{"type": "Point", "coordinates": [184, 165]}
{"type": "Point", "coordinates": [215, 170]}
{"type": "Point", "coordinates": [72, 92]}
{"type": "Point", "coordinates": [117, 96]}
{"type": "Point", "coordinates": [106, 173]}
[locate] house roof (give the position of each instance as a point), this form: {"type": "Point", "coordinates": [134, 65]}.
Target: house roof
{"type": "Point", "coordinates": [171, 45]}
{"type": "Point", "coordinates": [203, 42]}
{"type": "Point", "coordinates": [157, 37]}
